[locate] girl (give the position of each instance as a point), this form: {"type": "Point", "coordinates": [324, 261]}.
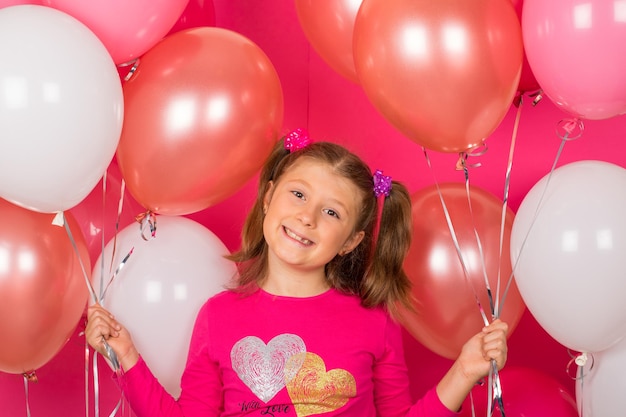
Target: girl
{"type": "Point", "coordinates": [309, 328]}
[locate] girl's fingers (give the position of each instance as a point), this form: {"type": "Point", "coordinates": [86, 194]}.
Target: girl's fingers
{"type": "Point", "coordinates": [496, 326]}
{"type": "Point", "coordinates": [494, 344]}
{"type": "Point", "coordinates": [100, 325]}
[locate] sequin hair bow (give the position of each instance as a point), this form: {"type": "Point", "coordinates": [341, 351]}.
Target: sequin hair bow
{"type": "Point", "coordinates": [296, 140]}
{"type": "Point", "coordinates": [382, 184]}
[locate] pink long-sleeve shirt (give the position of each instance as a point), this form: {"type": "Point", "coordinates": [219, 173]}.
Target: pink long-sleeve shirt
{"type": "Point", "coordinates": [267, 355]}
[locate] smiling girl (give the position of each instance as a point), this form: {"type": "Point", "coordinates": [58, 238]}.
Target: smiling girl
{"type": "Point", "coordinates": [309, 327]}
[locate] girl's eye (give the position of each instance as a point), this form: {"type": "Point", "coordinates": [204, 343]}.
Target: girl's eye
{"type": "Point", "coordinates": [298, 194]}
{"type": "Point", "coordinates": [332, 212]}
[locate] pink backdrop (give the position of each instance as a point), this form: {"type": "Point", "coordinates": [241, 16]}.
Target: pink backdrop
{"type": "Point", "coordinates": [333, 108]}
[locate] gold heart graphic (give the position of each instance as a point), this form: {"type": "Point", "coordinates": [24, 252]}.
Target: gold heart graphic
{"type": "Point", "coordinates": [313, 390]}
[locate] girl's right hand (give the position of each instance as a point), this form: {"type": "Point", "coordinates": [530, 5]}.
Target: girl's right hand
{"type": "Point", "coordinates": [101, 326]}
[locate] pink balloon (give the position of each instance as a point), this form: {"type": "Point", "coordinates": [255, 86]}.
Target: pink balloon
{"type": "Point", "coordinates": [7, 3]}
{"type": "Point", "coordinates": [526, 392]}
{"type": "Point", "coordinates": [575, 50]}
{"type": "Point", "coordinates": [127, 28]}
{"type": "Point", "coordinates": [197, 13]}
{"type": "Point", "coordinates": [328, 25]}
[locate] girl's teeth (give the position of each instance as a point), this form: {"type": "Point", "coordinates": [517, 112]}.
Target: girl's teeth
{"type": "Point", "coordinates": [296, 237]}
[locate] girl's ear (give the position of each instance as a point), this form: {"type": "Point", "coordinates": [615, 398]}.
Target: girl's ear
{"type": "Point", "coordinates": [352, 243]}
{"type": "Point", "coordinates": [268, 195]}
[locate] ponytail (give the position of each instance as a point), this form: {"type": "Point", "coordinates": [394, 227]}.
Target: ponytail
{"type": "Point", "coordinates": [385, 282]}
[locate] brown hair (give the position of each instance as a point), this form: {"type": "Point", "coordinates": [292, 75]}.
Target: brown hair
{"type": "Point", "coordinates": [377, 275]}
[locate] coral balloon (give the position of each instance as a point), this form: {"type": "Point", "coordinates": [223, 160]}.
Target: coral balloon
{"type": "Point", "coordinates": [127, 28]}
{"type": "Point", "coordinates": [574, 49]}
{"type": "Point", "coordinates": [98, 215]}
{"type": "Point", "coordinates": [163, 284]}
{"type": "Point", "coordinates": [569, 243]}
{"type": "Point", "coordinates": [442, 72]}
{"type": "Point", "coordinates": [203, 111]}
{"type": "Point", "coordinates": [329, 25]}
{"type": "Point", "coordinates": [447, 313]}
{"type": "Point", "coordinates": [197, 13]}
{"type": "Point", "coordinates": [61, 110]}
{"type": "Point", "coordinates": [42, 287]}
{"type": "Point", "coordinates": [525, 392]}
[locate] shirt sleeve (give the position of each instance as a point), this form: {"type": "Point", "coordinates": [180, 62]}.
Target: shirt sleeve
{"type": "Point", "coordinates": [201, 386]}
{"type": "Point", "coordinates": [391, 383]}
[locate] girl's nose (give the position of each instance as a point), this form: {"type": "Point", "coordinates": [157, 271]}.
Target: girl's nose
{"type": "Point", "coordinates": [306, 214]}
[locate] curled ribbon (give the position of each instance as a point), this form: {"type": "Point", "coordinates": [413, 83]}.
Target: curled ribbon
{"type": "Point", "coordinates": [147, 220]}
{"type": "Point", "coordinates": [570, 129]}
{"type": "Point", "coordinates": [133, 68]}
{"type": "Point", "coordinates": [536, 96]}
{"type": "Point", "coordinates": [581, 360]}
{"type": "Point", "coordinates": [476, 151]}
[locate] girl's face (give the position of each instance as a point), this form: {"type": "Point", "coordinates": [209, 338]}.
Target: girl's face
{"type": "Point", "coordinates": [311, 216]}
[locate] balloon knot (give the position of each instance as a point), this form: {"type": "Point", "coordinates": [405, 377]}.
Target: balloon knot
{"type": "Point", "coordinates": [31, 376]}
{"type": "Point", "coordinates": [581, 360]}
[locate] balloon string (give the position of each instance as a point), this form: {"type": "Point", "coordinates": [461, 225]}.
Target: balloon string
{"type": "Point", "coordinates": [96, 384]}
{"type": "Point", "coordinates": [580, 361]}
{"type": "Point", "coordinates": [96, 387]}
{"type": "Point", "coordinates": [87, 352]}
{"type": "Point", "coordinates": [495, 382]}
{"type": "Point", "coordinates": [58, 220]}
{"type": "Point", "coordinates": [582, 392]}
{"type": "Point", "coordinates": [27, 378]}
{"type": "Point", "coordinates": [104, 288]}
{"type": "Point", "coordinates": [102, 240]}
{"type": "Point", "coordinates": [455, 240]}
{"type": "Point", "coordinates": [494, 389]}
{"type": "Point", "coordinates": [572, 129]}
{"type": "Point", "coordinates": [478, 241]}
{"type": "Point", "coordinates": [117, 271]}
{"type": "Point", "coordinates": [120, 205]}
{"type": "Point", "coordinates": [505, 199]}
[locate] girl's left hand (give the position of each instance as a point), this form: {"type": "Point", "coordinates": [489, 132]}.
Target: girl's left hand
{"type": "Point", "coordinates": [477, 354]}
{"type": "Point", "coordinates": [473, 364]}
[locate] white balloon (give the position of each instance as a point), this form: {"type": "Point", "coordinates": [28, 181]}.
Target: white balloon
{"type": "Point", "coordinates": [570, 271]}
{"type": "Point", "coordinates": [161, 287]}
{"type": "Point", "coordinates": [601, 387]}
{"type": "Point", "coordinates": [61, 108]}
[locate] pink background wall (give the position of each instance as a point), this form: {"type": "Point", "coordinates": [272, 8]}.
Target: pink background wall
{"type": "Point", "coordinates": [333, 108]}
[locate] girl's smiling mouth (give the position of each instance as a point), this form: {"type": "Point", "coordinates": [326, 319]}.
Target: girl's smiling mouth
{"type": "Point", "coordinates": [294, 236]}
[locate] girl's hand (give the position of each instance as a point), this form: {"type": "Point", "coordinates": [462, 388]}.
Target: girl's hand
{"type": "Point", "coordinates": [473, 363]}
{"type": "Point", "coordinates": [477, 354]}
{"type": "Point", "coordinates": [101, 326]}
